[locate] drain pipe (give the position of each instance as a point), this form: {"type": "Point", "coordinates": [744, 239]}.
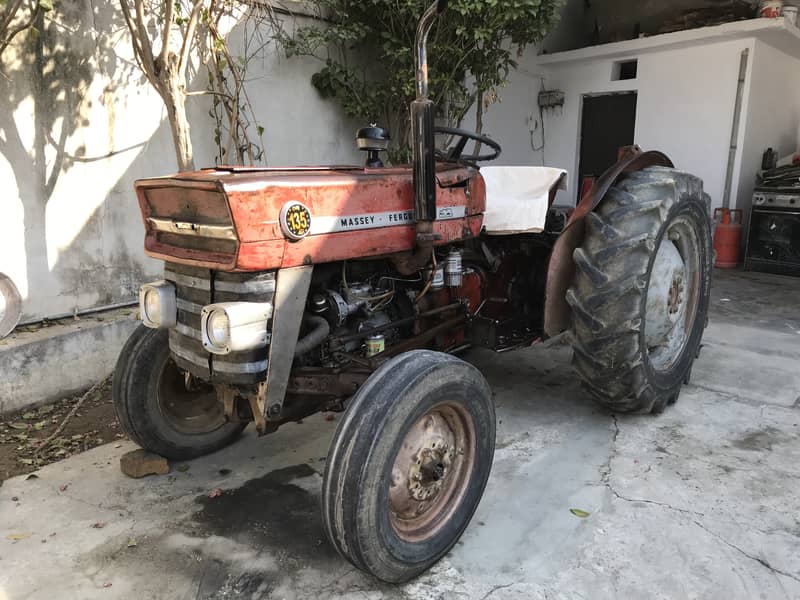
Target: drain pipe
{"type": "Point", "coordinates": [81, 313]}
{"type": "Point", "coordinates": [737, 119]}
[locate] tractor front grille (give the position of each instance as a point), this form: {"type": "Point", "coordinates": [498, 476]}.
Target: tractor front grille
{"type": "Point", "coordinates": [198, 287]}
{"type": "Point", "coordinates": [190, 223]}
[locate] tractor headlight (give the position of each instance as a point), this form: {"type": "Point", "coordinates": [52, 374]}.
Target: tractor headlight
{"type": "Point", "coordinates": [235, 326]}
{"type": "Point", "coordinates": [218, 328]}
{"type": "Point", "coordinates": [158, 305]}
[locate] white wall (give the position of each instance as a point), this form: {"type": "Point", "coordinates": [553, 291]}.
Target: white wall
{"type": "Point", "coordinates": [515, 121]}
{"type": "Point", "coordinates": [685, 108]}
{"type": "Point", "coordinates": [772, 115]}
{"type": "Point", "coordinates": [75, 135]}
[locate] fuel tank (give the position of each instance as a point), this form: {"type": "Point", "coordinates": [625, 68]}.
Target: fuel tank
{"type": "Point", "coordinates": [257, 219]}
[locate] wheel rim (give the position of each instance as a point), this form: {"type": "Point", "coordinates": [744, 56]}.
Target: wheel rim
{"type": "Point", "coordinates": [431, 472]}
{"type": "Point", "coordinates": [673, 294]}
{"type": "Point", "coordinates": [189, 406]}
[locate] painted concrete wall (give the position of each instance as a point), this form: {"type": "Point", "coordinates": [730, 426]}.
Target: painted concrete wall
{"type": "Point", "coordinates": [772, 114]}
{"type": "Point", "coordinates": [81, 127]}
{"type": "Point", "coordinates": [515, 121]}
{"type": "Point", "coordinates": [685, 108]}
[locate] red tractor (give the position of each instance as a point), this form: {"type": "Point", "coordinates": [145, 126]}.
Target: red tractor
{"type": "Point", "coordinates": [296, 290]}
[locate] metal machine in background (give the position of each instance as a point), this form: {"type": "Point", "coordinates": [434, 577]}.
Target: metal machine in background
{"type": "Point", "coordinates": [773, 244]}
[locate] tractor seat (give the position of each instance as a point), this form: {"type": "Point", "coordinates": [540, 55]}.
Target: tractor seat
{"type": "Point", "coordinates": [518, 198]}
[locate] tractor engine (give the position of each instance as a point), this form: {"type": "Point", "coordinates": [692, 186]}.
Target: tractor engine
{"type": "Point", "coordinates": [368, 308]}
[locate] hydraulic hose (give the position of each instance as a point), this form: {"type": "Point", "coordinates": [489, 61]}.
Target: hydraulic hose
{"type": "Point", "coordinates": [320, 329]}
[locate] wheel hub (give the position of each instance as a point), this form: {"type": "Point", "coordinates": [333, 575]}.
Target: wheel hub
{"type": "Point", "coordinates": [676, 295]}
{"type": "Point", "coordinates": [189, 405]}
{"type": "Point", "coordinates": [425, 480]}
{"type": "Point", "coordinates": [672, 294]}
{"type": "Point", "coordinates": [666, 300]}
{"type": "Point", "coordinates": [430, 472]}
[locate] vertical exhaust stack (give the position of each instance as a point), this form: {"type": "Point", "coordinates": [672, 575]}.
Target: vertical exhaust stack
{"type": "Point", "coordinates": [422, 127]}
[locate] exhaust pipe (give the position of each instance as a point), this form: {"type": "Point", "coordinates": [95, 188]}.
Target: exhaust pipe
{"type": "Point", "coordinates": [423, 146]}
{"type": "Point", "coordinates": [422, 123]}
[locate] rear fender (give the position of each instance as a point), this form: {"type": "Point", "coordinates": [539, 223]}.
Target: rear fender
{"type": "Point", "coordinates": [561, 269]}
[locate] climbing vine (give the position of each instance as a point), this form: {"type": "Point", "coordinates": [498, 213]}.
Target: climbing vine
{"type": "Point", "coordinates": [367, 51]}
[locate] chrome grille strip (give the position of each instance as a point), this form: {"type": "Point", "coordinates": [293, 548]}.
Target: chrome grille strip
{"type": "Point", "coordinates": [251, 286]}
{"type": "Point", "coordinates": [189, 306]}
{"type": "Point", "coordinates": [227, 367]}
{"type": "Point", "coordinates": [189, 356]}
{"type": "Point", "coordinates": [189, 332]}
{"type": "Point", "coordinates": [187, 280]}
{"type": "Point", "coordinates": [193, 287]}
{"type": "Point", "coordinates": [221, 232]}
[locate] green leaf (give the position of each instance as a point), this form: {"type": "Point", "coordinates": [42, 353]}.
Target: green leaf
{"type": "Point", "coordinates": [478, 41]}
{"type": "Point", "coordinates": [579, 513]}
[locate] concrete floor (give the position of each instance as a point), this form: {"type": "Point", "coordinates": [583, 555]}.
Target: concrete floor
{"type": "Point", "coordinates": [701, 502]}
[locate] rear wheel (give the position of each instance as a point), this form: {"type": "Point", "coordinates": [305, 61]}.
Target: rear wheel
{"type": "Point", "coordinates": [641, 290]}
{"type": "Point", "coordinates": [408, 464]}
{"type": "Point", "coordinates": [160, 408]}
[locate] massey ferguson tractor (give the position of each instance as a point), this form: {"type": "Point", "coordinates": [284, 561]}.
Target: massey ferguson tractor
{"type": "Point", "coordinates": [291, 291]}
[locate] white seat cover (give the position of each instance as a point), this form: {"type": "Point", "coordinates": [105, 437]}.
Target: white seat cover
{"type": "Point", "coordinates": [518, 198]}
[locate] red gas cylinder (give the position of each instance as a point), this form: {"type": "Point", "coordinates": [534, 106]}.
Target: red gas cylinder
{"type": "Point", "coordinates": [728, 237]}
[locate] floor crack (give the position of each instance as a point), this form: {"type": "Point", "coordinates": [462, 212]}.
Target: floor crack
{"type": "Point", "coordinates": [606, 478]}
{"type": "Point", "coordinates": [762, 561]}
{"type": "Point", "coordinates": [666, 505]}
{"type": "Point", "coordinates": [497, 588]}
{"type": "Point", "coordinates": [605, 470]}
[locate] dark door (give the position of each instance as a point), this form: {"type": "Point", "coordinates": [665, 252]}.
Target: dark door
{"type": "Point", "coordinates": [608, 124]}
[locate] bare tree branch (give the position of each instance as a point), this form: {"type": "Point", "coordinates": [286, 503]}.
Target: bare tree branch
{"type": "Point", "coordinates": [165, 35]}
{"type": "Point", "coordinates": [144, 39]}
{"type": "Point", "coordinates": [194, 17]}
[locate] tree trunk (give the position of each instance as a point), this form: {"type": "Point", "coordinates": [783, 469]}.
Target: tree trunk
{"type": "Point", "coordinates": [175, 101]}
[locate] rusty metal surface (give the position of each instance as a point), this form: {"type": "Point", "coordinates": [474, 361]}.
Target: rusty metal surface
{"type": "Point", "coordinates": [258, 408]}
{"type": "Point", "coordinates": [431, 472]}
{"type": "Point", "coordinates": [227, 395]}
{"type": "Point", "coordinates": [291, 293]}
{"type": "Point", "coordinates": [557, 315]}
{"type": "Point", "coordinates": [326, 382]}
{"type": "Point", "coordinates": [252, 201]}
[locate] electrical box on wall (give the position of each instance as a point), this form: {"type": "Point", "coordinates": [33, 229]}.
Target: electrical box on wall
{"type": "Point", "coordinates": [551, 99]}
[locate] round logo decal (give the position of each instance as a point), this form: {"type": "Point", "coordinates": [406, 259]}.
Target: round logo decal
{"type": "Point", "coordinates": [295, 220]}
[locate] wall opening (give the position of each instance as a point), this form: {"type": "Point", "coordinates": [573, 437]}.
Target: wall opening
{"type": "Point", "coordinates": [625, 70]}
{"type": "Point", "coordinates": [608, 124]}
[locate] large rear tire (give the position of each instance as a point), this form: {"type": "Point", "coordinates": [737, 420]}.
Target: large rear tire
{"type": "Point", "coordinates": [408, 464]}
{"type": "Point", "coordinates": [159, 409]}
{"type": "Point", "coordinates": [641, 290]}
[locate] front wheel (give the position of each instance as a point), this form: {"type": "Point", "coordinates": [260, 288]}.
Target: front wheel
{"type": "Point", "coordinates": [641, 290]}
{"type": "Point", "coordinates": [408, 464]}
{"type": "Point", "coordinates": [160, 408]}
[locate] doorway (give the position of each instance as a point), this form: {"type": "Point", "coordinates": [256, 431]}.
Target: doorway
{"type": "Point", "coordinates": [608, 124]}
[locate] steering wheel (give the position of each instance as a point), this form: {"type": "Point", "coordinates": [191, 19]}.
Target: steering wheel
{"type": "Point", "coordinates": [456, 153]}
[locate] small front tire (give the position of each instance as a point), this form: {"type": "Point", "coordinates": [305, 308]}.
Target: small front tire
{"type": "Point", "coordinates": [408, 464]}
{"type": "Point", "coordinates": [156, 407]}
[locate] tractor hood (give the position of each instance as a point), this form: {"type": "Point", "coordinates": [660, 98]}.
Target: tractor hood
{"type": "Point", "coordinates": [255, 219]}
